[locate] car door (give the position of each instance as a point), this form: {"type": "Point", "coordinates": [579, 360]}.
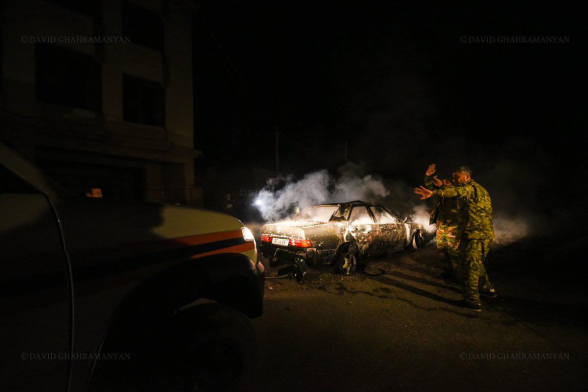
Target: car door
{"type": "Point", "coordinates": [391, 234]}
{"type": "Point", "coordinates": [35, 301]}
{"type": "Point", "coordinates": [362, 228]}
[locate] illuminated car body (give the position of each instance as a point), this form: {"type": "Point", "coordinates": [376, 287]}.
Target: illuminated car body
{"type": "Point", "coordinates": [367, 230]}
{"type": "Point", "coordinates": [103, 269]}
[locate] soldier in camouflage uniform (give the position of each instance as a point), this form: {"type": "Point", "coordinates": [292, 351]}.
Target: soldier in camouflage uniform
{"type": "Point", "coordinates": [445, 217]}
{"type": "Point", "coordinates": [476, 230]}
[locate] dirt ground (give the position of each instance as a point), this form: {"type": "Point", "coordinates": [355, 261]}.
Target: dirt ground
{"type": "Point", "coordinates": [398, 327]}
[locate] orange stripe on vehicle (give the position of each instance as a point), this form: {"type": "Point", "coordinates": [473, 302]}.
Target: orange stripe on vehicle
{"type": "Point", "coordinates": [233, 249]}
{"type": "Point", "coordinates": [162, 245]}
{"type": "Point", "coordinates": [213, 237]}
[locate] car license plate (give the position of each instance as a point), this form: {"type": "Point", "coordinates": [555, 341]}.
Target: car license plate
{"type": "Point", "coordinates": [280, 241]}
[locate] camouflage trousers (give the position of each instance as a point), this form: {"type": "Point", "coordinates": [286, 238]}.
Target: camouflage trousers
{"type": "Point", "coordinates": [448, 248]}
{"type": "Point", "coordinates": [474, 254]}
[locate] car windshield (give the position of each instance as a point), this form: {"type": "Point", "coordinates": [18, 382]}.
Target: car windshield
{"type": "Point", "coordinates": [316, 213]}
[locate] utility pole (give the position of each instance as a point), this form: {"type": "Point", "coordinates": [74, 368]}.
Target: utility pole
{"type": "Point", "coordinates": [277, 151]}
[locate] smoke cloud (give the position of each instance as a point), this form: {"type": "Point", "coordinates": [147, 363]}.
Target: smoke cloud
{"type": "Point", "coordinates": [280, 196]}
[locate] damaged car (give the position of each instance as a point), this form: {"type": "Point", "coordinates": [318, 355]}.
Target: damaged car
{"type": "Point", "coordinates": [343, 235]}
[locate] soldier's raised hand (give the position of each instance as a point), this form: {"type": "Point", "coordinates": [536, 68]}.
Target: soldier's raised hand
{"type": "Point", "coordinates": [423, 192]}
{"type": "Point", "coordinates": [437, 182]}
{"type": "Point", "coordinates": [431, 170]}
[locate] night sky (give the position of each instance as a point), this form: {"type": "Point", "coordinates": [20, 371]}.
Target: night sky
{"type": "Point", "coordinates": [397, 83]}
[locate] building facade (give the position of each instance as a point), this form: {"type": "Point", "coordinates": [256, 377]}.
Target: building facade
{"type": "Point", "coordinates": [98, 94]}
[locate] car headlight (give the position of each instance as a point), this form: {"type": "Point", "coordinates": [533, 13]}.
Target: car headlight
{"type": "Point", "coordinates": [247, 234]}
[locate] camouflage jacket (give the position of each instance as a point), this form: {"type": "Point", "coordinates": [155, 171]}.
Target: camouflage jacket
{"type": "Point", "coordinates": [475, 218]}
{"type": "Point", "coordinates": [446, 209]}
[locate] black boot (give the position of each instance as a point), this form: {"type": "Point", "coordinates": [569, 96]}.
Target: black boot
{"type": "Point", "coordinates": [466, 303]}
{"type": "Point", "coordinates": [489, 294]}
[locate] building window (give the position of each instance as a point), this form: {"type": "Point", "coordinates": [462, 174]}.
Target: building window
{"type": "Point", "coordinates": [143, 101]}
{"type": "Point", "coordinates": [66, 77]}
{"type": "Point", "coordinates": [82, 178]}
{"type": "Point", "coordinates": [91, 8]}
{"type": "Point", "coordinates": [142, 26]}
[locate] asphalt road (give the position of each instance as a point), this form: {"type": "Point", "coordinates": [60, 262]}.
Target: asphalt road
{"type": "Point", "coordinates": [400, 328]}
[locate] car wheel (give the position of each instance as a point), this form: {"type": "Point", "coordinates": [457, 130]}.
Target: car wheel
{"type": "Point", "coordinates": [218, 348]}
{"type": "Point", "coordinates": [347, 263]}
{"type": "Point", "coordinates": [205, 348]}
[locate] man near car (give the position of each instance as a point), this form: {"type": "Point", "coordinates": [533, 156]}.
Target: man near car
{"type": "Point", "coordinates": [445, 217]}
{"type": "Point", "coordinates": [476, 233]}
